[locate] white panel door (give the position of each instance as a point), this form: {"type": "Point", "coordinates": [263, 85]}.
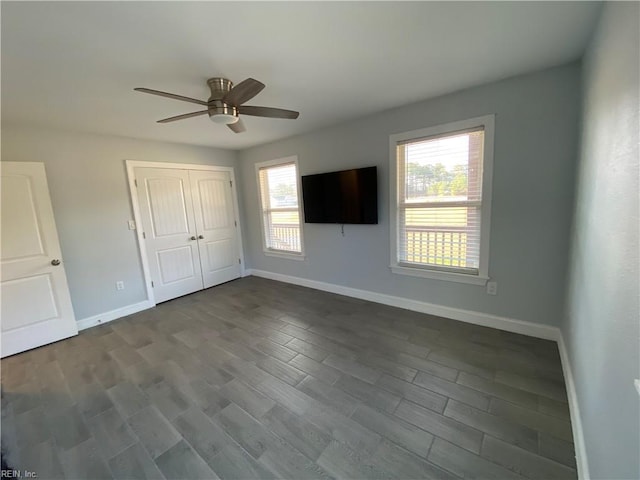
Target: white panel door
{"type": "Point", "coordinates": [36, 306]}
{"type": "Point", "coordinates": [216, 226]}
{"type": "Point", "coordinates": [166, 209]}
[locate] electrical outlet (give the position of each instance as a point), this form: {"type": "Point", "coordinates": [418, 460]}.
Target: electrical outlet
{"type": "Point", "coordinates": [492, 288]}
{"type": "Point", "coordinates": [120, 285]}
{"type": "Point", "coordinates": [132, 224]}
{"type": "Point", "coordinates": [636, 382]}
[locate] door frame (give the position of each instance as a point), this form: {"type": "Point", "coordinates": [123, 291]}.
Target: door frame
{"type": "Point", "coordinates": [131, 165]}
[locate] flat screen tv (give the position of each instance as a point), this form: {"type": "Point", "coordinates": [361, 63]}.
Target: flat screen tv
{"type": "Point", "coordinates": [348, 196]}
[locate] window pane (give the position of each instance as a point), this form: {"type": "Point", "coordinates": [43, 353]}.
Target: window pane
{"type": "Point", "coordinates": [445, 168]}
{"type": "Point", "coordinates": [285, 231]}
{"type": "Point", "coordinates": [283, 187]}
{"type": "Point", "coordinates": [279, 197]}
{"type": "Point", "coordinates": [441, 236]}
{"type": "Point", "coordinates": [437, 217]}
{"type": "Point", "coordinates": [440, 193]}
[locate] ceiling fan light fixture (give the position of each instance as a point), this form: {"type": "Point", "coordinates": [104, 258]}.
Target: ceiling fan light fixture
{"type": "Point", "coordinates": [223, 118]}
{"type": "Point", "coordinates": [221, 113]}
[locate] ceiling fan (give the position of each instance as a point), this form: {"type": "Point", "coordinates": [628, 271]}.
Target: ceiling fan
{"type": "Point", "coordinates": [226, 103]}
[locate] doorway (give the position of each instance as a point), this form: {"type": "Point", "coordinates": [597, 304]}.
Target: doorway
{"type": "Point", "coordinates": [188, 227]}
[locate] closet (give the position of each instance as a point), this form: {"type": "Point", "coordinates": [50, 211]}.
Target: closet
{"type": "Point", "coordinates": [189, 228]}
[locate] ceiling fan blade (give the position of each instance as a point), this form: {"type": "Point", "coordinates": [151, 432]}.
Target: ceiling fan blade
{"type": "Point", "coordinates": [268, 112]}
{"type": "Point", "coordinates": [171, 95]}
{"type": "Point", "coordinates": [237, 127]}
{"type": "Point", "coordinates": [183, 116]}
{"type": "Point", "coordinates": [243, 92]}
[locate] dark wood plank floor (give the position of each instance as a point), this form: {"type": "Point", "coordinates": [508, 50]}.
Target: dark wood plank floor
{"type": "Point", "coordinates": [260, 379]}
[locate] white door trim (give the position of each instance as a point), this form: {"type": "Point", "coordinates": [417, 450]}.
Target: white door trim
{"type": "Point", "coordinates": [142, 250]}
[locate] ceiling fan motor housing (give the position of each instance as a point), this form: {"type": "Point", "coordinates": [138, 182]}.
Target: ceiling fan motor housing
{"type": "Point", "coordinates": [220, 112]}
{"type": "Point", "coordinates": [219, 87]}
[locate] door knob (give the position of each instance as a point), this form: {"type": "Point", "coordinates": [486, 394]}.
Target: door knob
{"type": "Point", "coordinates": [200, 237]}
{"type": "Point", "coordinates": [55, 262]}
{"type": "Point", "coordinates": [192, 238]}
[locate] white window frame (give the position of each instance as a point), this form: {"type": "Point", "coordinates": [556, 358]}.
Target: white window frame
{"type": "Point", "coordinates": [486, 121]}
{"type": "Point", "coordinates": [270, 252]}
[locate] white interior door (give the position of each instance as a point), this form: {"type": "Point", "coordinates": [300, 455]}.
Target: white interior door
{"type": "Point", "coordinates": [166, 210]}
{"type": "Point", "coordinates": [35, 302]}
{"type": "Point", "coordinates": [216, 226]}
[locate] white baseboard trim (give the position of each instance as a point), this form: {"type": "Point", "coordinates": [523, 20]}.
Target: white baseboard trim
{"type": "Point", "coordinates": [546, 332]}
{"type": "Point", "coordinates": [113, 315]}
{"type": "Point", "coordinates": [574, 410]}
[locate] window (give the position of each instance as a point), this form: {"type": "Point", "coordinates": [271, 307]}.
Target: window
{"type": "Point", "coordinates": [441, 194]}
{"type": "Point", "coordinates": [280, 206]}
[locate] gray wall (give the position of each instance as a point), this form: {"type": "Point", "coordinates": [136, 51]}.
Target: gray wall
{"type": "Point", "coordinates": [91, 203]}
{"type": "Point", "coordinates": [537, 118]}
{"type": "Point", "coordinates": [601, 328]}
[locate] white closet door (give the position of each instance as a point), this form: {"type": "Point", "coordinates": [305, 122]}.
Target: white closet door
{"type": "Point", "coordinates": [166, 208]}
{"type": "Point", "coordinates": [216, 226]}
{"type": "Point", "coordinates": [36, 306]}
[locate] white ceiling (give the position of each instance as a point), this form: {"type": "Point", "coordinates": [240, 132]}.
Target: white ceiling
{"type": "Point", "coordinates": [74, 65]}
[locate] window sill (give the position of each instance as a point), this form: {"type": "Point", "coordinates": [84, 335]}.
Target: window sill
{"type": "Point", "coordinates": [436, 275]}
{"type": "Point", "coordinates": [290, 256]}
